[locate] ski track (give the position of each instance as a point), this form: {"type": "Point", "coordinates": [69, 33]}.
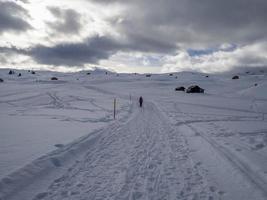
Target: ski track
{"type": "Point", "coordinates": [142, 159]}
{"type": "Point", "coordinates": [244, 167]}
{"type": "Point", "coordinates": [221, 108]}
{"type": "Point", "coordinates": [236, 159]}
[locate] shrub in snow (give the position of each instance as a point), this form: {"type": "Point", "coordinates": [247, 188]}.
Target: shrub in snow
{"type": "Point", "coordinates": [170, 74]}
{"type": "Point", "coordinates": [54, 79]}
{"type": "Point", "coordinates": [182, 88]}
{"type": "Point", "coordinates": [194, 89]}
{"type": "Point", "coordinates": [11, 72]}
{"type": "Point", "coordinates": [88, 73]}
{"type": "Point", "coordinates": [1, 80]}
{"type": "Point", "coordinates": [33, 72]}
{"type": "Point", "coordinates": [235, 77]}
{"type": "Point", "coordinates": [19, 74]}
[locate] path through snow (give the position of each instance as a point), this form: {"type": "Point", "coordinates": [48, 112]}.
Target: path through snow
{"type": "Point", "coordinates": [143, 159]}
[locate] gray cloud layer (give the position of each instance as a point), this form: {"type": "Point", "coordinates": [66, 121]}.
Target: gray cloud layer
{"type": "Point", "coordinates": [91, 50]}
{"type": "Point", "coordinates": [205, 22]}
{"type": "Point", "coordinates": [13, 18]}
{"type": "Point", "coordinates": [162, 27]}
{"type": "Point", "coordinates": [68, 21]}
{"type": "Point", "coordinates": [73, 54]}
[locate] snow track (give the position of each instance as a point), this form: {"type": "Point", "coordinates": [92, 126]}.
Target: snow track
{"type": "Point", "coordinates": [244, 167]}
{"type": "Point", "coordinates": [142, 159]}
{"type": "Point", "coordinates": [145, 157]}
{"type": "Point", "coordinates": [220, 152]}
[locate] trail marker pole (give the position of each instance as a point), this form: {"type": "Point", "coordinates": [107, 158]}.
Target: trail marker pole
{"type": "Point", "coordinates": [114, 108]}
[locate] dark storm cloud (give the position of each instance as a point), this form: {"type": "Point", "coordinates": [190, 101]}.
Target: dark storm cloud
{"type": "Point", "coordinates": [205, 22]}
{"type": "Point", "coordinates": [75, 54]}
{"type": "Point", "coordinates": [13, 18]}
{"type": "Point", "coordinates": [68, 21]}
{"type": "Point", "coordinates": [91, 50]}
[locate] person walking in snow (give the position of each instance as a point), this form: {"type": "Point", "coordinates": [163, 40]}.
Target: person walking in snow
{"type": "Point", "coordinates": [140, 101]}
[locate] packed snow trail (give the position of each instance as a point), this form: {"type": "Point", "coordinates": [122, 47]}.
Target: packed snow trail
{"type": "Point", "coordinates": [239, 172]}
{"type": "Point", "coordinates": [142, 159]}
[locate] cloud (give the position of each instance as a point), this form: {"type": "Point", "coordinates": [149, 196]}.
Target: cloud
{"type": "Point", "coordinates": [13, 17]}
{"type": "Point", "coordinates": [24, 1]}
{"type": "Point", "coordinates": [192, 23]}
{"type": "Point", "coordinates": [12, 50]}
{"type": "Point", "coordinates": [3, 59]}
{"type": "Point", "coordinates": [248, 56]}
{"type": "Point", "coordinates": [198, 29]}
{"type": "Point", "coordinates": [223, 47]}
{"type": "Point", "coordinates": [172, 34]}
{"type": "Point", "coordinates": [99, 48]}
{"type": "Point", "coordinates": [91, 50]}
{"type": "Point", "coordinates": [75, 54]}
{"type": "Point", "coordinates": [67, 21]}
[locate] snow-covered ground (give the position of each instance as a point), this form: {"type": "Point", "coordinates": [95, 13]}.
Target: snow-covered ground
{"type": "Point", "coordinates": [59, 139]}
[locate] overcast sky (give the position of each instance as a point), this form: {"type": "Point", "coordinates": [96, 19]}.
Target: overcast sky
{"type": "Point", "coordinates": [133, 35]}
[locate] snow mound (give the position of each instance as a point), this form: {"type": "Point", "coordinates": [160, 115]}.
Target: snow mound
{"type": "Point", "coordinates": [54, 161]}
{"type": "Point", "coordinates": [259, 91]}
{"type": "Point", "coordinates": [99, 71]}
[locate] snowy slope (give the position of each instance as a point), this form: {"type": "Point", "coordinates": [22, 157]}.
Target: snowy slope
{"type": "Point", "coordinates": [37, 115]}
{"type": "Point", "coordinates": [179, 146]}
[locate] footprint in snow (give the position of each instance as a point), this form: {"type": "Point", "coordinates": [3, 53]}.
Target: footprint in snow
{"type": "Point", "coordinates": [59, 145]}
{"type": "Point", "coordinates": [221, 192]}
{"type": "Point", "coordinates": [56, 162]}
{"type": "Point", "coordinates": [212, 189]}
{"type": "Point", "coordinates": [40, 196]}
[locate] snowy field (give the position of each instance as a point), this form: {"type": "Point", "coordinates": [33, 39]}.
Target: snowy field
{"type": "Point", "coordinates": [58, 139]}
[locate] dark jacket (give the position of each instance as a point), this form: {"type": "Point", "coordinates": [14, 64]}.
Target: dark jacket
{"type": "Point", "coordinates": [140, 101]}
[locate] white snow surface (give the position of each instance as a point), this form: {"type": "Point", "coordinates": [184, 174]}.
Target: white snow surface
{"type": "Point", "coordinates": [58, 139]}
